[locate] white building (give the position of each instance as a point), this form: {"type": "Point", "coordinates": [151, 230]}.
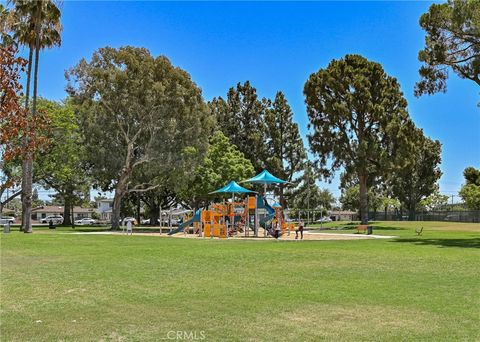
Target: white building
{"type": "Point", "coordinates": [104, 209]}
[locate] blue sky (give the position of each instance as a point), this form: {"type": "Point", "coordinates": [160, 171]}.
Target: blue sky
{"type": "Point", "coordinates": [276, 46]}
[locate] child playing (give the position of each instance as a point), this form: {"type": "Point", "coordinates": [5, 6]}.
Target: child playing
{"type": "Point", "coordinates": [299, 229]}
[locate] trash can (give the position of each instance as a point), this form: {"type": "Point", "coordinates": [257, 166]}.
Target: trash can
{"type": "Point", "coordinates": [6, 228]}
{"type": "Point", "coordinates": [369, 230]}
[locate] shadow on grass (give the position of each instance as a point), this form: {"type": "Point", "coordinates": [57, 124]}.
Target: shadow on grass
{"type": "Point", "coordinates": [387, 228]}
{"type": "Point", "coordinates": [461, 243]}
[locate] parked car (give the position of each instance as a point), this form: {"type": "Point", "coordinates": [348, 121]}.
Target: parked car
{"type": "Point", "coordinates": [147, 221]}
{"type": "Point", "coordinates": [55, 219]}
{"type": "Point", "coordinates": [7, 219]}
{"type": "Point", "coordinates": [85, 221]}
{"type": "Point", "coordinates": [324, 219]}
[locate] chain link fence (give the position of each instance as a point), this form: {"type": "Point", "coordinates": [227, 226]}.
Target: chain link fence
{"type": "Point", "coordinates": [471, 216]}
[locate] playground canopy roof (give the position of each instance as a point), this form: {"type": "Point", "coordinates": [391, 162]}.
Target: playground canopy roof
{"type": "Point", "coordinates": [264, 177]}
{"type": "Point", "coordinates": [232, 187]}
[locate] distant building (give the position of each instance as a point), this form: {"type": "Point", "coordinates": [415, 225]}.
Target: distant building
{"type": "Point", "coordinates": [343, 215]}
{"type": "Point", "coordinates": [48, 210]}
{"type": "Point", "coordinates": [104, 208]}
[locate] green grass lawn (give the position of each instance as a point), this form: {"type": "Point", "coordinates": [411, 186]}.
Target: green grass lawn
{"type": "Point", "coordinates": [57, 286]}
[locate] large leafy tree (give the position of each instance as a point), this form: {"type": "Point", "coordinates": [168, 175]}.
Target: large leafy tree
{"type": "Point", "coordinates": [358, 120]}
{"type": "Point", "coordinates": [452, 42]}
{"type": "Point", "coordinates": [286, 152]}
{"type": "Point", "coordinates": [35, 24]}
{"type": "Point", "coordinates": [137, 111]}
{"type": "Point", "coordinates": [241, 119]}
{"type": "Point", "coordinates": [418, 179]}
{"type": "Point", "coordinates": [470, 191]}
{"type": "Point", "coordinates": [223, 163]}
{"type": "Point", "coordinates": [60, 166]}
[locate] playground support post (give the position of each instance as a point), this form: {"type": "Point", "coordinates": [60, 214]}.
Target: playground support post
{"type": "Point", "coordinates": [160, 219]}
{"type": "Point", "coordinates": [211, 226]}
{"type": "Point", "coordinates": [256, 217]}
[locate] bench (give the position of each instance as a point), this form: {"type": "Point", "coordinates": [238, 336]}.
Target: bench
{"type": "Point", "coordinates": [362, 227]}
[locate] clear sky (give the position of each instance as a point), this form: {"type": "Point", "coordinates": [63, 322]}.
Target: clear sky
{"type": "Point", "coordinates": [276, 46]}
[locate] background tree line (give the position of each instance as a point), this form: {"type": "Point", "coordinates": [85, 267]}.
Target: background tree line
{"type": "Point", "coordinates": [137, 125]}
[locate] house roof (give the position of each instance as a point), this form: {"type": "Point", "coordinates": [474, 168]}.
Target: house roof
{"type": "Point", "coordinates": [342, 212]}
{"type": "Point", "coordinates": [59, 209]}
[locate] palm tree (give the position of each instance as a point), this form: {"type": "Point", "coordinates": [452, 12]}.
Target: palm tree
{"type": "Point", "coordinates": [35, 24]}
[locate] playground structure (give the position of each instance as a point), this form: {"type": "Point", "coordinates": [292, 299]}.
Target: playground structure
{"type": "Point", "coordinates": [252, 215]}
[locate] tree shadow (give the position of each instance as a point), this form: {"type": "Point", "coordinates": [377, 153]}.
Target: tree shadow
{"type": "Point", "coordinates": [461, 243]}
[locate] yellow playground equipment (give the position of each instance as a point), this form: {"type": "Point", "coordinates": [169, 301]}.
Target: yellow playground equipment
{"type": "Point", "coordinates": [228, 219]}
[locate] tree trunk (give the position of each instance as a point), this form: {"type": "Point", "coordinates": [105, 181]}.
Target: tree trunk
{"type": "Point", "coordinates": [117, 201]}
{"type": "Point", "coordinates": [138, 208]}
{"type": "Point", "coordinates": [27, 194]}
{"type": "Point", "coordinates": [25, 141]}
{"type": "Point", "coordinates": [154, 212]}
{"type": "Point", "coordinates": [120, 190]}
{"type": "Point", "coordinates": [67, 217]}
{"type": "Point", "coordinates": [27, 226]}
{"type": "Point", "coordinates": [411, 212]}
{"type": "Point", "coordinates": [282, 198]}
{"type": "Point", "coordinates": [363, 199]}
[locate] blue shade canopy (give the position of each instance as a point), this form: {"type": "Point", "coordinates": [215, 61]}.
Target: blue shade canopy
{"type": "Point", "coordinates": [232, 187]}
{"type": "Point", "coordinates": [265, 177]}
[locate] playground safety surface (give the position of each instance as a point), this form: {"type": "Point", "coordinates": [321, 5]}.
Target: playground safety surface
{"type": "Point", "coordinates": [307, 235]}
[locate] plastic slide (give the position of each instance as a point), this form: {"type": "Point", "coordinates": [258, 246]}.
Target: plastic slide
{"type": "Point", "coordinates": [196, 218]}
{"type": "Point", "coordinates": [270, 215]}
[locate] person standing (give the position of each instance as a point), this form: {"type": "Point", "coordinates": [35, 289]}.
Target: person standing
{"type": "Point", "coordinates": [129, 227]}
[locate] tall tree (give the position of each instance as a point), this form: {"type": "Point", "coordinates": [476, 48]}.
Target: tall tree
{"type": "Point", "coordinates": [286, 152]}
{"type": "Point", "coordinates": [241, 119]}
{"type": "Point", "coordinates": [452, 42]}
{"type": "Point", "coordinates": [60, 166]}
{"type": "Point", "coordinates": [418, 179]}
{"type": "Point", "coordinates": [358, 119]}
{"type": "Point", "coordinates": [137, 110]}
{"type": "Point", "coordinates": [35, 24]}
{"type": "Point", "coordinates": [470, 191]}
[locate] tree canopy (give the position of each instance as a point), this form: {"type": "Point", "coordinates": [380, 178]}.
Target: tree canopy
{"type": "Point", "coordinates": [358, 121]}
{"type": "Point", "coordinates": [286, 152]}
{"type": "Point", "coordinates": [452, 42]}
{"type": "Point", "coordinates": [470, 191]}
{"type": "Point", "coordinates": [241, 119]}
{"type": "Point", "coordinates": [418, 179]}
{"type": "Point", "coordinates": [61, 165]}
{"type": "Point", "coordinates": [223, 163]}
{"type": "Point", "coordinates": [137, 110]}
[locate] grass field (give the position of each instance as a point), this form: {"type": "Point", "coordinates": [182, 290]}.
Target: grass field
{"type": "Point", "coordinates": [59, 286]}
